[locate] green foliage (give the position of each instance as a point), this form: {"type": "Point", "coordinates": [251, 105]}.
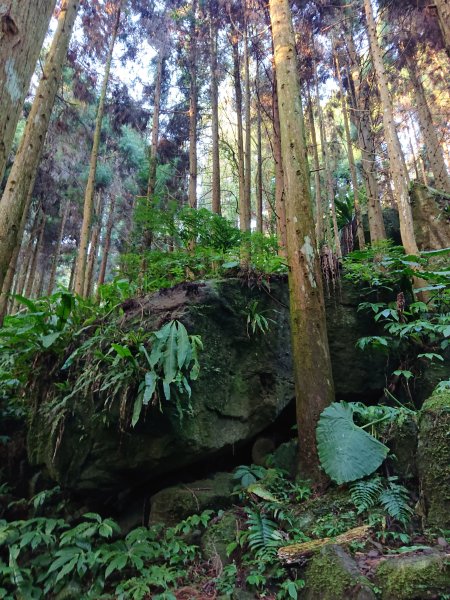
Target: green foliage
{"type": "Point", "coordinates": [42, 556]}
{"type": "Point", "coordinates": [388, 494]}
{"type": "Point", "coordinates": [345, 450]}
{"type": "Point", "coordinates": [255, 319]}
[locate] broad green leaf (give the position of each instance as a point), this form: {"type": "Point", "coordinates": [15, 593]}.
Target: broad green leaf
{"type": "Point", "coordinates": [183, 345]}
{"type": "Point", "coordinates": [262, 492]}
{"type": "Point", "coordinates": [122, 351]}
{"type": "Point", "coordinates": [170, 364]}
{"type": "Point", "coordinates": [150, 386]}
{"type": "Point", "coordinates": [50, 339]}
{"type": "Point", "coordinates": [137, 408]}
{"type": "Point", "coordinates": [345, 450]}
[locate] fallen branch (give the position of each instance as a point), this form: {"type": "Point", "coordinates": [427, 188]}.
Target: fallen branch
{"type": "Point", "coordinates": [298, 552]}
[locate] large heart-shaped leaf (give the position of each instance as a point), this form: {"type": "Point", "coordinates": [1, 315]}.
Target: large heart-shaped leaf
{"type": "Point", "coordinates": [346, 451]}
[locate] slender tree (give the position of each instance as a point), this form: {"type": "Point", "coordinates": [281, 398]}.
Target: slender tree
{"type": "Point", "coordinates": [80, 272]}
{"type": "Point", "coordinates": [443, 10]}
{"type": "Point", "coordinates": [396, 158]}
{"type": "Point", "coordinates": [23, 172]}
{"type": "Point", "coordinates": [193, 105]}
{"type": "Point", "coordinates": [23, 26]}
{"type": "Point", "coordinates": [214, 93]}
{"type": "Point", "coordinates": [310, 351]}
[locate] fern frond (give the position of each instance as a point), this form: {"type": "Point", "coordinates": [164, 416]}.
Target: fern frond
{"type": "Point", "coordinates": [394, 500]}
{"type": "Point", "coordinates": [365, 494]}
{"type": "Point", "coordinates": [262, 533]}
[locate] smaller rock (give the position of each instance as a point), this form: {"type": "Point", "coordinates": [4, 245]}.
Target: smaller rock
{"type": "Point", "coordinates": [217, 536]}
{"type": "Point", "coordinates": [442, 542]}
{"type": "Point", "coordinates": [334, 575]}
{"type": "Point", "coordinates": [285, 457]}
{"type": "Point", "coordinates": [419, 577]}
{"type": "Point", "coordinates": [173, 504]}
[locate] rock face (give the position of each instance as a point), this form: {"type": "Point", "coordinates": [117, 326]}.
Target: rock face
{"type": "Point", "coordinates": [433, 458]}
{"type": "Point", "coordinates": [245, 384]}
{"type": "Point", "coordinates": [431, 223]}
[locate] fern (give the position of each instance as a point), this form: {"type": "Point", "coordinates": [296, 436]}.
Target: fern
{"type": "Point", "coordinates": [394, 500]}
{"type": "Point", "coordinates": [262, 534]}
{"type": "Point", "coordinates": [388, 494]}
{"type": "Point", "coordinates": [365, 494]}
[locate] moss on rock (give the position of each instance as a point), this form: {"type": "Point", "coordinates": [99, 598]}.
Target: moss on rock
{"type": "Point", "coordinates": [433, 458]}
{"type": "Point", "coordinates": [333, 575]}
{"type": "Point", "coordinates": [414, 577]}
{"type": "Point", "coordinates": [217, 537]}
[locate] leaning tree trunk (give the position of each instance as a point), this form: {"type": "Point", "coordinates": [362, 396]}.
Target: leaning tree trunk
{"type": "Point", "coordinates": [80, 270]}
{"type": "Point", "coordinates": [27, 255]}
{"type": "Point", "coordinates": [443, 10]}
{"type": "Point", "coordinates": [432, 146]}
{"type": "Point", "coordinates": [93, 251]}
{"type": "Point", "coordinates": [23, 25]}
{"type": "Point", "coordinates": [213, 36]}
{"type": "Point", "coordinates": [24, 169]}
{"type": "Point", "coordinates": [351, 158]}
{"type": "Point", "coordinates": [310, 351]}
{"type": "Point", "coordinates": [9, 279]}
{"type": "Point", "coordinates": [193, 108]}
{"type": "Point", "coordinates": [397, 165]}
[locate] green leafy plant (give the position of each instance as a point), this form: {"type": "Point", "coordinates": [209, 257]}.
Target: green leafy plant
{"type": "Point", "coordinates": [388, 494]}
{"type": "Point", "coordinates": [346, 451]}
{"type": "Point", "coordinates": [255, 319]}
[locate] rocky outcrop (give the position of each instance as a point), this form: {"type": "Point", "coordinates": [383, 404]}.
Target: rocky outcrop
{"type": "Point", "coordinates": [431, 217]}
{"type": "Point", "coordinates": [245, 384]}
{"type": "Point", "coordinates": [433, 458]}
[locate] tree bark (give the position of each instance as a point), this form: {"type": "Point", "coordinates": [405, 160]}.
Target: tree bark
{"type": "Point", "coordinates": [24, 169]}
{"type": "Point", "coordinates": [35, 259]}
{"type": "Point", "coordinates": [432, 146]}
{"type": "Point", "coordinates": [240, 132]}
{"type": "Point", "coordinates": [248, 129]}
{"type": "Point", "coordinates": [80, 271]}
{"type": "Point", "coordinates": [93, 251]}
{"type": "Point", "coordinates": [55, 261]}
{"type": "Point", "coordinates": [360, 116]}
{"type": "Point", "coordinates": [9, 279]}
{"type": "Point", "coordinates": [259, 171]}
{"type": "Point", "coordinates": [23, 26]}
{"type": "Point", "coordinates": [310, 351]}
{"type": "Point", "coordinates": [155, 127]}
{"type": "Point", "coordinates": [193, 107]}
{"type": "Point", "coordinates": [106, 244]}
{"type": "Point", "coordinates": [443, 10]}
{"type": "Point", "coordinates": [26, 259]}
{"type": "Point", "coordinates": [351, 158]}
{"type": "Point", "coordinates": [280, 205]}
{"type": "Point", "coordinates": [316, 164]}
{"type": "Point", "coordinates": [214, 92]}
{"type": "Point", "coordinates": [397, 165]}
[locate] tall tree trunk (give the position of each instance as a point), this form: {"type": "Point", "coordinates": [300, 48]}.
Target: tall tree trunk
{"type": "Point", "coordinates": [26, 259]}
{"type": "Point", "coordinates": [155, 127]}
{"type": "Point", "coordinates": [420, 161]}
{"type": "Point", "coordinates": [106, 244]}
{"type": "Point", "coordinates": [55, 261]}
{"type": "Point", "coordinates": [80, 272]}
{"type": "Point", "coordinates": [316, 164]}
{"type": "Point", "coordinates": [193, 107]}
{"type": "Point", "coordinates": [360, 100]}
{"type": "Point", "coordinates": [328, 175]}
{"type": "Point", "coordinates": [240, 131]}
{"type": "Point", "coordinates": [397, 165]}
{"type": "Point", "coordinates": [35, 259]}
{"type": "Point", "coordinates": [23, 26]}
{"type": "Point", "coordinates": [443, 10]}
{"type": "Point", "coordinates": [24, 169]}
{"type": "Point", "coordinates": [93, 251]}
{"type": "Point", "coordinates": [432, 146]}
{"type": "Point", "coordinates": [259, 171]}
{"type": "Point", "coordinates": [248, 130]}
{"type": "Point", "coordinates": [213, 36]}
{"type": "Point", "coordinates": [310, 351]}
{"type": "Point", "coordinates": [280, 204]}
{"type": "Point", "coordinates": [9, 279]}
{"type": "Point", "coordinates": [351, 158]}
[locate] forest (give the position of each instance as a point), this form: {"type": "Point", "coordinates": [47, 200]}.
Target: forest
{"type": "Point", "coordinates": [224, 299]}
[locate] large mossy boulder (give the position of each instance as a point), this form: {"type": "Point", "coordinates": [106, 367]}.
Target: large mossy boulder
{"type": "Point", "coordinates": [433, 458]}
{"type": "Point", "coordinates": [245, 384]}
{"type": "Point", "coordinates": [414, 577]}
